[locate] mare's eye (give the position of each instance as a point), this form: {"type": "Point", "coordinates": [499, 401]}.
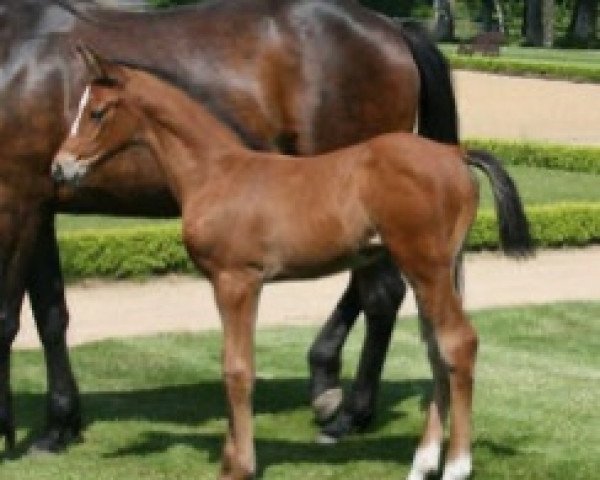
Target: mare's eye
{"type": "Point", "coordinates": [97, 115]}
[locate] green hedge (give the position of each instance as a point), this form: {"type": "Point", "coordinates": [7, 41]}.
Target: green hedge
{"type": "Point", "coordinates": [557, 225]}
{"type": "Point", "coordinates": [123, 253]}
{"type": "Point", "coordinates": [146, 251]}
{"type": "Point", "coordinates": [526, 67]}
{"type": "Point", "coordinates": [543, 155]}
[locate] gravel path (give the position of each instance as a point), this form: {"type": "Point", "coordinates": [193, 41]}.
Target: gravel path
{"type": "Point", "coordinates": [494, 106]}
{"type": "Point", "coordinates": [490, 106]}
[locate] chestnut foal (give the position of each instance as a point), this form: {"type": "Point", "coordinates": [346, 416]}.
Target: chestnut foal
{"type": "Point", "coordinates": [252, 217]}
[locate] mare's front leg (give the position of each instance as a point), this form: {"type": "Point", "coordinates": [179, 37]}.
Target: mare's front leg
{"type": "Point", "coordinates": [47, 297]}
{"type": "Point", "coordinates": [236, 294]}
{"type": "Point", "coordinates": [18, 227]}
{"type": "Point", "coordinates": [380, 290]}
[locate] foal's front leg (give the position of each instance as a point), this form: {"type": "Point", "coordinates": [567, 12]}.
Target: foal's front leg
{"type": "Point", "coordinates": [237, 293]}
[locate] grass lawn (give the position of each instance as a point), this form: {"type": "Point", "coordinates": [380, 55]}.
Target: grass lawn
{"type": "Point", "coordinates": [572, 56]}
{"type": "Point", "coordinates": [537, 186]}
{"type": "Point", "coordinates": [68, 222]}
{"type": "Point", "coordinates": [154, 406]}
{"type": "Point", "coordinates": [578, 65]}
{"type": "Point", "coordinates": [577, 57]}
{"type": "Point", "coordinates": [540, 186]}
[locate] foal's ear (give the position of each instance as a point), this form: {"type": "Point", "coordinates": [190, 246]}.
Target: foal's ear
{"type": "Point", "coordinates": [97, 66]}
{"type": "Point", "coordinates": [94, 63]}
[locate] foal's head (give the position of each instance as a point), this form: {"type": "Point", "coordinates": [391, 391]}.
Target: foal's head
{"type": "Point", "coordinates": [108, 120]}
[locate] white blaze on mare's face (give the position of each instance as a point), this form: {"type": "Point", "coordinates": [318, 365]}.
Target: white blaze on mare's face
{"type": "Point", "coordinates": [82, 104]}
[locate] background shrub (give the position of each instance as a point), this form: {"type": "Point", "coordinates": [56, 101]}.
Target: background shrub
{"type": "Point", "coordinates": [145, 251]}
{"type": "Point", "coordinates": [543, 155]}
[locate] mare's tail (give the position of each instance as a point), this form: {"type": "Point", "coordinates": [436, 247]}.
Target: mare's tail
{"type": "Point", "coordinates": [438, 118]}
{"type": "Point", "coordinates": [515, 238]}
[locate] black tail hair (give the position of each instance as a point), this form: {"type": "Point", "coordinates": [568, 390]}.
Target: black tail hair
{"type": "Point", "coordinates": [515, 236]}
{"type": "Point", "coordinates": [438, 118]}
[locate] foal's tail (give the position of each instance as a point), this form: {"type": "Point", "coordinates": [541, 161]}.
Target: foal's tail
{"type": "Point", "coordinates": [515, 237]}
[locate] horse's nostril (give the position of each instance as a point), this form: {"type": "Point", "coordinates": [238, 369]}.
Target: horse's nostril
{"type": "Point", "coordinates": [57, 172]}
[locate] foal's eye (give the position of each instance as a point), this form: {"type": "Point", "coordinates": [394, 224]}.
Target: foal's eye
{"type": "Point", "coordinates": [97, 115]}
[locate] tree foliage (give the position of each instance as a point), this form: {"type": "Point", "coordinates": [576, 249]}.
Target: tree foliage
{"type": "Point", "coordinates": [530, 22]}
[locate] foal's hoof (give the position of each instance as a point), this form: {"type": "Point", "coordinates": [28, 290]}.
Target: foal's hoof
{"type": "Point", "coordinates": [55, 441]}
{"type": "Point", "coordinates": [458, 469]}
{"type": "Point", "coordinates": [425, 462]}
{"type": "Point", "coordinates": [326, 405]}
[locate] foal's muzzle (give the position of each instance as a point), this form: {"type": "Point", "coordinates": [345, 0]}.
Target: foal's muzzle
{"type": "Point", "coordinates": [66, 169]}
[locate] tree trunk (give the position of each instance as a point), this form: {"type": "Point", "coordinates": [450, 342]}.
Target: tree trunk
{"type": "Point", "coordinates": [548, 23]}
{"type": "Point", "coordinates": [583, 26]}
{"type": "Point", "coordinates": [493, 17]}
{"type": "Point", "coordinates": [538, 23]}
{"type": "Point", "coordinates": [501, 17]}
{"type": "Point", "coordinates": [443, 26]}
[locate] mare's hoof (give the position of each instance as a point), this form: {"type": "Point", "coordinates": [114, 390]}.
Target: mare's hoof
{"type": "Point", "coordinates": [324, 439]}
{"type": "Point", "coordinates": [327, 404]}
{"type": "Point", "coordinates": [339, 427]}
{"type": "Point", "coordinates": [342, 425]}
{"type": "Point", "coordinates": [55, 441]}
{"type": "Point", "coordinates": [7, 431]}
{"type": "Point", "coordinates": [9, 439]}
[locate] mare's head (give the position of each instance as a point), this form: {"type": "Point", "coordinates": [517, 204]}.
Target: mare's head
{"type": "Point", "coordinates": [108, 120]}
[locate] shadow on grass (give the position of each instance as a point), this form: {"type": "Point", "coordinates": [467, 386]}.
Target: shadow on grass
{"type": "Point", "coordinates": [272, 451]}
{"type": "Point", "coordinates": [194, 404]}
{"type": "Point", "coordinates": [391, 449]}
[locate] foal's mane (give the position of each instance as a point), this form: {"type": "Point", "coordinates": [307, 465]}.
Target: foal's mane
{"type": "Point", "coordinates": [72, 8]}
{"type": "Point", "coordinates": [199, 94]}
{"type": "Point", "coordinates": [67, 5]}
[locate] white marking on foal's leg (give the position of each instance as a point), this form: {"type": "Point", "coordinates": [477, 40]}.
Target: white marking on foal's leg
{"type": "Point", "coordinates": [459, 468]}
{"type": "Point", "coordinates": [82, 104]}
{"type": "Point", "coordinates": [426, 461]}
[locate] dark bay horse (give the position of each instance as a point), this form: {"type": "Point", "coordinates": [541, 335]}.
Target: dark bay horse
{"type": "Point", "coordinates": [251, 217]}
{"type": "Point", "coordinates": [299, 76]}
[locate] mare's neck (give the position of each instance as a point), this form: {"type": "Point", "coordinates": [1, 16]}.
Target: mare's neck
{"type": "Point", "coordinates": [188, 141]}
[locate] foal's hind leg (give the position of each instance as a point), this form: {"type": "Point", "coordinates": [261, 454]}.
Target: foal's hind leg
{"type": "Point", "coordinates": [427, 457]}
{"type": "Point", "coordinates": [454, 342]}
{"type": "Point", "coordinates": [452, 346]}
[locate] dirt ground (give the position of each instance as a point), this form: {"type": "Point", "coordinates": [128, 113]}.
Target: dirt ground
{"type": "Point", "coordinates": [489, 106]}
{"type": "Point", "coordinates": [494, 106]}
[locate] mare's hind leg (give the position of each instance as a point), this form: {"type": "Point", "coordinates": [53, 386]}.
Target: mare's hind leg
{"type": "Point", "coordinates": [381, 291]}
{"type": "Point", "coordinates": [324, 355]}
{"type": "Point", "coordinates": [452, 347]}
